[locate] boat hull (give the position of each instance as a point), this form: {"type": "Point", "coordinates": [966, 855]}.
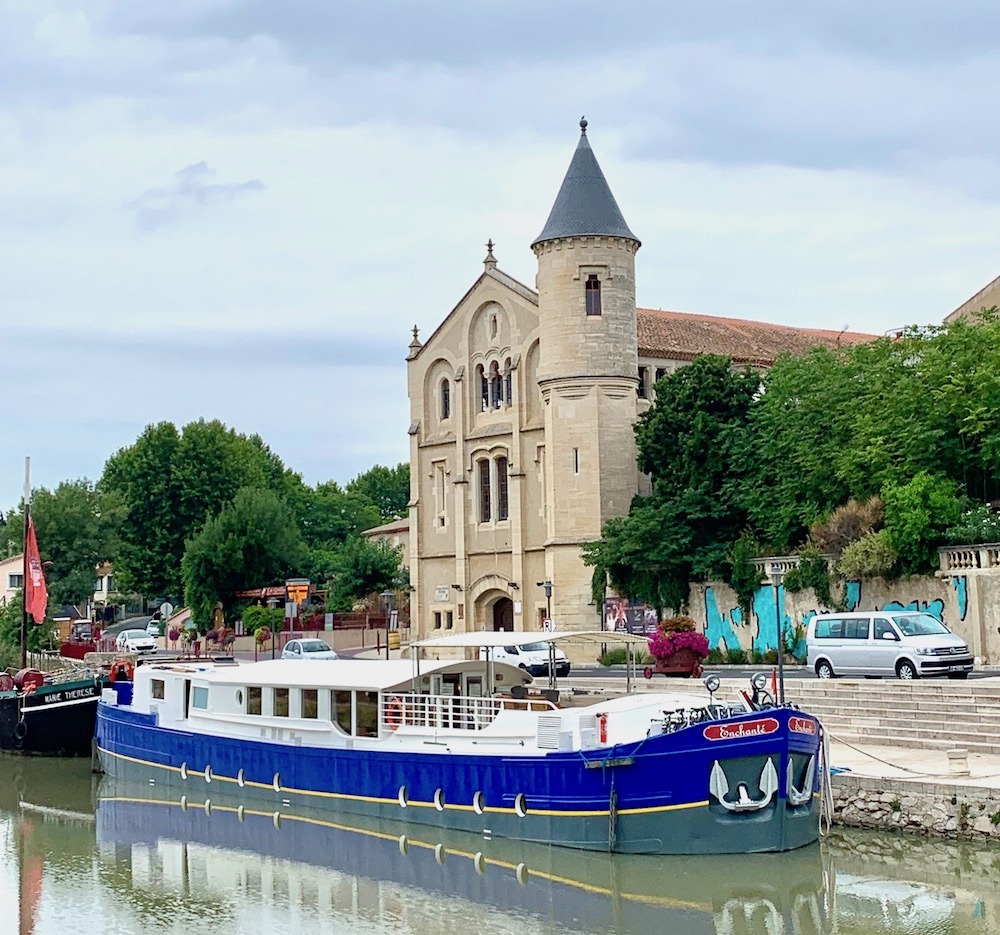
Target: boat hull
{"type": "Point", "coordinates": [659, 796]}
{"type": "Point", "coordinates": [54, 720]}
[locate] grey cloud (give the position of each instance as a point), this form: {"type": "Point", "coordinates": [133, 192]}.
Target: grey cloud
{"type": "Point", "coordinates": [453, 34]}
{"type": "Point", "coordinates": [191, 188]}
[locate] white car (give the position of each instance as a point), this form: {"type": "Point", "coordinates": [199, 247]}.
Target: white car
{"type": "Point", "coordinates": [135, 641]}
{"type": "Point", "coordinates": [153, 628]}
{"type": "Point", "coordinates": [307, 649]}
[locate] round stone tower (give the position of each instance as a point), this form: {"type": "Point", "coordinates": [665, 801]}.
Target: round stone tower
{"type": "Point", "coordinates": [587, 373]}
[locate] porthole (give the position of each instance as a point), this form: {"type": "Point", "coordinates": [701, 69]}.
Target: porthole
{"type": "Point", "coordinates": [184, 771]}
{"type": "Point", "coordinates": [241, 779]}
{"type": "Point", "coordinates": [184, 803]}
{"type": "Point", "coordinates": [477, 803]}
{"type": "Point", "coordinates": [208, 806]}
{"type": "Point", "coordinates": [439, 853]}
{"type": "Point", "coordinates": [276, 782]}
{"type": "Point", "coordinates": [208, 774]}
{"type": "Point", "coordinates": [521, 805]}
{"type": "Point", "coordinates": [521, 874]}
{"type": "Point", "coordinates": [479, 862]}
{"type": "Point", "coordinates": [403, 800]}
{"type": "Point", "coordinates": [404, 845]}
{"type": "Point", "coordinates": [241, 813]}
{"type": "Point", "coordinates": [276, 819]}
{"type": "Point", "coordinates": [439, 800]}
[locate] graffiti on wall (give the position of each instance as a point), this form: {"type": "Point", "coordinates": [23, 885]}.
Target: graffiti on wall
{"type": "Point", "coordinates": [724, 628]}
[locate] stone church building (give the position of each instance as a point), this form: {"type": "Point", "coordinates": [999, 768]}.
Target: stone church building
{"type": "Point", "coordinates": [523, 402]}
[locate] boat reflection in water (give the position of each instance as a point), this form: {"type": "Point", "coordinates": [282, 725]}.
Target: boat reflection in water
{"type": "Point", "coordinates": [319, 861]}
{"type": "Point", "coordinates": [148, 862]}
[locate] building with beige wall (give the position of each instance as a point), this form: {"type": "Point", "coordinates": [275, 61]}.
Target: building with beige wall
{"type": "Point", "coordinates": [987, 297]}
{"type": "Point", "coordinates": [523, 402]}
{"type": "Point", "coordinates": [11, 577]}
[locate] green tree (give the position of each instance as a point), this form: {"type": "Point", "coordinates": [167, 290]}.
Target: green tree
{"type": "Point", "coordinates": [328, 515]}
{"type": "Point", "coordinates": [362, 568]}
{"type": "Point", "coordinates": [917, 514]}
{"type": "Point", "coordinates": [77, 526]}
{"type": "Point", "coordinates": [253, 541]}
{"type": "Point", "coordinates": [170, 483]}
{"type": "Point", "coordinates": [693, 444]}
{"type": "Point", "coordinates": [387, 488]}
{"type": "Point", "coordinates": [39, 635]}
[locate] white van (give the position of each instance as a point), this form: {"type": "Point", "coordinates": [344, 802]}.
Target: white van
{"type": "Point", "coordinates": [903, 643]}
{"type": "Point", "coordinates": [532, 657]}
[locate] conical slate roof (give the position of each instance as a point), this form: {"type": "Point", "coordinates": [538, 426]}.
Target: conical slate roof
{"type": "Point", "coordinates": [584, 204]}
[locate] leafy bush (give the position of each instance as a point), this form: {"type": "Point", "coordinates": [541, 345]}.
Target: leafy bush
{"type": "Point", "coordinates": [256, 617]}
{"type": "Point", "coordinates": [715, 656]}
{"type": "Point", "coordinates": [916, 515]}
{"type": "Point", "coordinates": [613, 657]}
{"type": "Point", "coordinates": [978, 524]}
{"type": "Point", "coordinates": [811, 572]}
{"type": "Point", "coordinates": [870, 557]}
{"type": "Point", "coordinates": [736, 657]}
{"type": "Point", "coordinates": [679, 624]}
{"type": "Point", "coordinates": [744, 576]}
{"type": "Point", "coordinates": [846, 524]}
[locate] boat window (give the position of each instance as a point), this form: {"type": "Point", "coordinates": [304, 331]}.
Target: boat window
{"type": "Point", "coordinates": [281, 702]}
{"type": "Point", "coordinates": [310, 702]}
{"type": "Point", "coordinates": [156, 688]}
{"type": "Point", "coordinates": [340, 709]}
{"type": "Point", "coordinates": [199, 697]}
{"type": "Point", "coordinates": [367, 703]}
{"type": "Point", "coordinates": [253, 699]}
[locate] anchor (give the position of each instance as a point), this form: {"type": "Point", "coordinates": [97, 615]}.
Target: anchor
{"type": "Point", "coordinates": [801, 796]}
{"type": "Point", "coordinates": [768, 785]}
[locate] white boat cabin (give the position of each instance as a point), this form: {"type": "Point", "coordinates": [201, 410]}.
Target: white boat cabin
{"type": "Point", "coordinates": [358, 702]}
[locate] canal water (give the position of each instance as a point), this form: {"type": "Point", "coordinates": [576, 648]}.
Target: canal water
{"type": "Point", "coordinates": [78, 854]}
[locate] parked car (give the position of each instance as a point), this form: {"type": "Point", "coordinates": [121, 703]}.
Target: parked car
{"type": "Point", "coordinates": [153, 628]}
{"type": "Point", "coordinates": [135, 641]}
{"type": "Point", "coordinates": [307, 649]}
{"type": "Point", "coordinates": [532, 657]}
{"type": "Point", "coordinates": [906, 644]}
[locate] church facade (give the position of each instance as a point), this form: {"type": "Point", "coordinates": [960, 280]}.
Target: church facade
{"type": "Point", "coordinates": [523, 402]}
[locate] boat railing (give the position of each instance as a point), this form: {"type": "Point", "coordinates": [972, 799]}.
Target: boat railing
{"type": "Point", "coordinates": [449, 712]}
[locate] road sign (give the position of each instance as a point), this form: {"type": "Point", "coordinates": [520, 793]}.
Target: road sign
{"type": "Point", "coordinates": [547, 625]}
{"type": "Point", "coordinates": [166, 609]}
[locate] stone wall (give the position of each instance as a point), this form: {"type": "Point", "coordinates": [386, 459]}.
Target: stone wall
{"type": "Point", "coordinates": [954, 811]}
{"type": "Point", "coordinates": [964, 601]}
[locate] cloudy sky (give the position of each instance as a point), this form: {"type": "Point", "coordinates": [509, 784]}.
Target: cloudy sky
{"type": "Point", "coordinates": [238, 209]}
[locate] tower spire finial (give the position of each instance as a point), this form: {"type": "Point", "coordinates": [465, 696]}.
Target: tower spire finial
{"type": "Point", "coordinates": [491, 261]}
{"type": "Point", "coordinates": [583, 124]}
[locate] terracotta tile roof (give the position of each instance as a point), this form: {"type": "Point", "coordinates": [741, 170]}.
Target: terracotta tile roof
{"type": "Point", "coordinates": [683, 336]}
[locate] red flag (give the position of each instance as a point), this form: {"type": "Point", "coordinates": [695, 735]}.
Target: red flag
{"type": "Point", "coordinates": [36, 597]}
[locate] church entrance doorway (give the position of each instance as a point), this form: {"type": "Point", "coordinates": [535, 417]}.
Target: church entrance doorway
{"type": "Point", "coordinates": [503, 614]}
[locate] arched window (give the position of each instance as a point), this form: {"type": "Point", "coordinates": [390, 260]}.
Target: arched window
{"type": "Point", "coordinates": [445, 398]}
{"type": "Point", "coordinates": [508, 383]}
{"type": "Point", "coordinates": [593, 290]}
{"type": "Point", "coordinates": [484, 389]}
{"type": "Point", "coordinates": [503, 511]}
{"type": "Point", "coordinates": [483, 468]}
{"type": "Point", "coordinates": [496, 386]}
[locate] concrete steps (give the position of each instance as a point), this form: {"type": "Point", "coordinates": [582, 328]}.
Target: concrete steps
{"type": "Point", "coordinates": [940, 715]}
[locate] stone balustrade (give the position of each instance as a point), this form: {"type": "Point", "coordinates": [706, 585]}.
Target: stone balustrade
{"type": "Point", "coordinates": [965, 558]}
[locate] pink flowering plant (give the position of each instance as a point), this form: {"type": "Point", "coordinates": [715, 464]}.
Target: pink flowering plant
{"type": "Point", "coordinates": [674, 634]}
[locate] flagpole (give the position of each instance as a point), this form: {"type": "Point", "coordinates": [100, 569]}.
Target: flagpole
{"type": "Point", "coordinates": [24, 565]}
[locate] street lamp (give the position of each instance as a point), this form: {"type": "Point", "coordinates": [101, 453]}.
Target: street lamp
{"type": "Point", "coordinates": [387, 600]}
{"type": "Point", "coordinates": [776, 578]}
{"type": "Point", "coordinates": [547, 585]}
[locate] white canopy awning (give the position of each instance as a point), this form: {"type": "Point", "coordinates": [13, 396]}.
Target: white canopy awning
{"type": "Point", "coordinates": [477, 638]}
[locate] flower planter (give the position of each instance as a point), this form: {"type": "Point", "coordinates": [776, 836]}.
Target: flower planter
{"type": "Point", "coordinates": [684, 663]}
